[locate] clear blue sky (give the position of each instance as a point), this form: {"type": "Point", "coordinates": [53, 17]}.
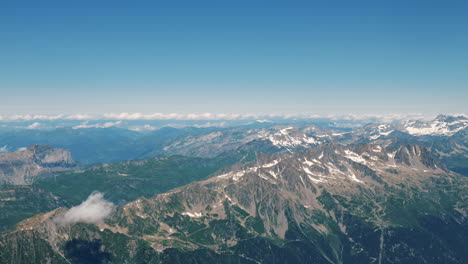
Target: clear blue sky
{"type": "Point", "coordinates": [233, 56]}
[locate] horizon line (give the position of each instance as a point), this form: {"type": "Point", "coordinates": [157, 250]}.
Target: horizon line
{"type": "Point", "coordinates": [215, 116]}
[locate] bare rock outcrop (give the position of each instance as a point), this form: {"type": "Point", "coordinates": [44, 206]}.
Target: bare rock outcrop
{"type": "Point", "coordinates": [23, 167]}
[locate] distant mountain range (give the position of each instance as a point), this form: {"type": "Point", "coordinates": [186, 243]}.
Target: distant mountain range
{"type": "Point", "coordinates": [94, 145]}
{"type": "Point", "coordinates": [261, 193]}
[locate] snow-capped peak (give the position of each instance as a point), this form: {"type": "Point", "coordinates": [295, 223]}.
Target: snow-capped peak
{"type": "Point", "coordinates": [441, 126]}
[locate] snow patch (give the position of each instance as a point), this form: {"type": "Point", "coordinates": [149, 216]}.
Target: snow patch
{"type": "Point", "coordinates": [354, 157]}
{"type": "Point", "coordinates": [271, 164]}
{"type": "Point", "coordinates": [192, 215]}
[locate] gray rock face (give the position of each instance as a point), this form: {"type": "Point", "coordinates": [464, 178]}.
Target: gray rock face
{"type": "Point", "coordinates": [24, 166]}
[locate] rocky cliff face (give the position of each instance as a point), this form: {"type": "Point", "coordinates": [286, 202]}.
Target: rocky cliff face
{"type": "Point", "coordinates": [23, 166]}
{"type": "Point", "coordinates": [364, 203]}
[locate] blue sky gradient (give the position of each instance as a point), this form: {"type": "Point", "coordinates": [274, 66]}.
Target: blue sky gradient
{"type": "Point", "coordinates": [281, 57]}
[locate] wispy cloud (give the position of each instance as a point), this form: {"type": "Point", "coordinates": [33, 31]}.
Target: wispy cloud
{"type": "Point", "coordinates": [94, 210]}
{"type": "Point", "coordinates": [213, 124]}
{"type": "Point", "coordinates": [105, 125]}
{"type": "Point", "coordinates": [31, 117]}
{"type": "Point", "coordinates": [145, 127]}
{"type": "Point", "coordinates": [34, 125]}
{"type": "Point", "coordinates": [4, 149]}
{"type": "Point", "coordinates": [175, 116]}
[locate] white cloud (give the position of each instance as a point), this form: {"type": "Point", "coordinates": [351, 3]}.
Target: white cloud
{"type": "Point", "coordinates": [212, 124]}
{"type": "Point", "coordinates": [94, 210]}
{"type": "Point", "coordinates": [105, 125]}
{"type": "Point", "coordinates": [21, 149]}
{"type": "Point", "coordinates": [79, 117]}
{"type": "Point", "coordinates": [213, 116]}
{"type": "Point", "coordinates": [30, 117]}
{"type": "Point", "coordinates": [133, 116]}
{"type": "Point", "coordinates": [34, 125]}
{"type": "Point", "coordinates": [174, 116]}
{"type": "Point", "coordinates": [145, 127]}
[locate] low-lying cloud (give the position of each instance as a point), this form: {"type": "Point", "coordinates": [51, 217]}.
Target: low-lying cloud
{"type": "Point", "coordinates": [34, 125]}
{"type": "Point", "coordinates": [105, 125]}
{"type": "Point", "coordinates": [145, 127]}
{"type": "Point", "coordinates": [213, 116]}
{"type": "Point", "coordinates": [94, 210]}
